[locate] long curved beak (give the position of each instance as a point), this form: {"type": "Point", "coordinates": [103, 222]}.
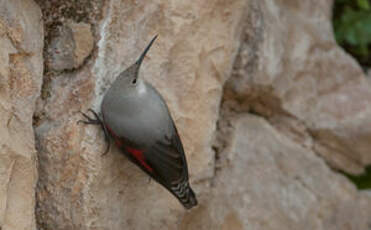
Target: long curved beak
{"type": "Point", "coordinates": [140, 59]}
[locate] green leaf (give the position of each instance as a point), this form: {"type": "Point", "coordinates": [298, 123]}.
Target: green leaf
{"type": "Point", "coordinates": [352, 27]}
{"type": "Point", "coordinates": [363, 4]}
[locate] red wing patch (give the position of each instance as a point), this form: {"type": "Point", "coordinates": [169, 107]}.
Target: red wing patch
{"type": "Point", "coordinates": [138, 154]}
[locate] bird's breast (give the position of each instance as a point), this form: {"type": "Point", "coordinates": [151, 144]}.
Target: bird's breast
{"type": "Point", "coordinates": [142, 119]}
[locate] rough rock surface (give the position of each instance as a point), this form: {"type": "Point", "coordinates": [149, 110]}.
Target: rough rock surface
{"type": "Point", "coordinates": [295, 73]}
{"type": "Point", "coordinates": [271, 170]}
{"type": "Point", "coordinates": [70, 47]}
{"type": "Point", "coordinates": [21, 67]}
{"type": "Point", "coordinates": [267, 181]}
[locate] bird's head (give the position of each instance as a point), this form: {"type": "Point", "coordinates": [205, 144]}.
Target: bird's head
{"type": "Point", "coordinates": [130, 77]}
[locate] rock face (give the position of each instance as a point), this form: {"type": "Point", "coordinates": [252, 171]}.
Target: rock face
{"type": "Point", "coordinates": [70, 47]}
{"type": "Point", "coordinates": [264, 100]}
{"type": "Point", "coordinates": [296, 71]}
{"type": "Point", "coordinates": [21, 67]}
{"type": "Point", "coordinates": [267, 181]}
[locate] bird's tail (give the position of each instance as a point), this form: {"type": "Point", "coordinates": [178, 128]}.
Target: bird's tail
{"type": "Point", "coordinates": [190, 200]}
{"type": "Point", "coordinates": [185, 194]}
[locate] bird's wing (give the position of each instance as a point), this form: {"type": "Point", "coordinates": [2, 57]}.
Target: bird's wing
{"type": "Point", "coordinates": [165, 162]}
{"type": "Point", "coordinates": [170, 168]}
{"type": "Point", "coordinates": [168, 160]}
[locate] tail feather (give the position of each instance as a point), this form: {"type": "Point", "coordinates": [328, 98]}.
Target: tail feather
{"type": "Point", "coordinates": [191, 200]}
{"type": "Point", "coordinates": [185, 194]}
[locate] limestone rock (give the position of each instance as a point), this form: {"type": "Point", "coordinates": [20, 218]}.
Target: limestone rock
{"type": "Point", "coordinates": [84, 41]}
{"type": "Point", "coordinates": [267, 181]}
{"type": "Point", "coordinates": [21, 68]}
{"type": "Point", "coordinates": [71, 46]}
{"type": "Point", "coordinates": [291, 66]}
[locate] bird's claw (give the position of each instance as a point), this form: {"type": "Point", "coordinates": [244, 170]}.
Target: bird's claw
{"type": "Point", "coordinates": [96, 121]}
{"type": "Point", "coordinates": [89, 120]}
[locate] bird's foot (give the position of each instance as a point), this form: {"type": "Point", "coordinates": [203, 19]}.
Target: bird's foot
{"type": "Point", "coordinates": [97, 121]}
{"type": "Point", "coordinates": [89, 120]}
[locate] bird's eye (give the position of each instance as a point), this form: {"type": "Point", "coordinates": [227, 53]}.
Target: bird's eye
{"type": "Point", "coordinates": [134, 81]}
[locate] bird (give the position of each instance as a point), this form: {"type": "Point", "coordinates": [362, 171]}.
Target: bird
{"type": "Point", "coordinates": [137, 118]}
